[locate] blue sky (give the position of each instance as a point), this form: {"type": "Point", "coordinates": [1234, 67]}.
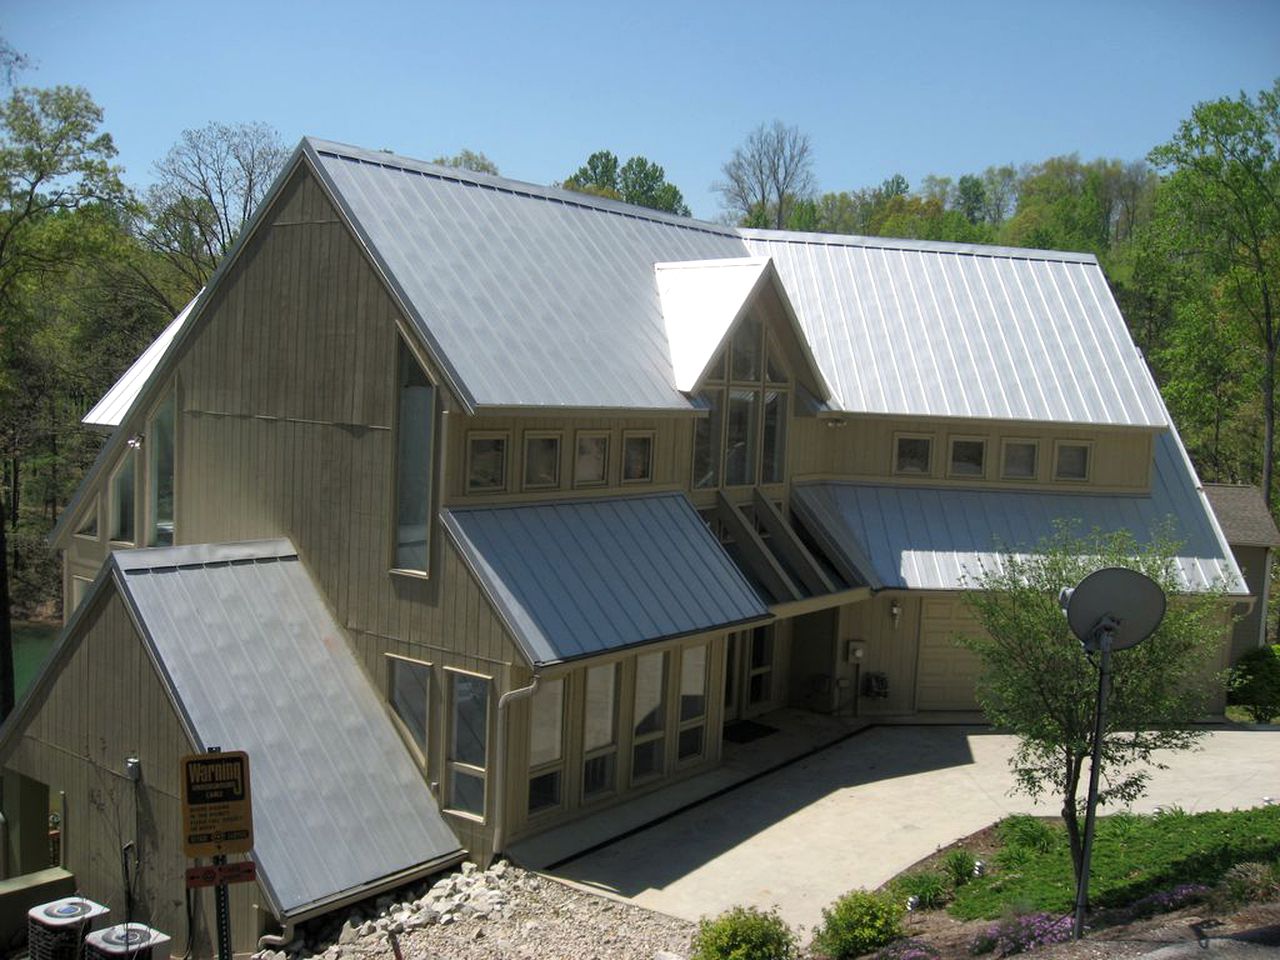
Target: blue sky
{"type": "Point", "coordinates": [910, 87]}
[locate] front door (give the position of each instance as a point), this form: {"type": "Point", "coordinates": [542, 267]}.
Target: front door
{"type": "Point", "coordinates": [748, 675]}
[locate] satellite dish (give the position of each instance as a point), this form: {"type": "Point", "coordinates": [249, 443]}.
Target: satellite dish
{"type": "Point", "coordinates": [1123, 603]}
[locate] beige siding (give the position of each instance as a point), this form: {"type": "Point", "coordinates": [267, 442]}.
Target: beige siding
{"type": "Point", "coordinates": [947, 672]}
{"type": "Point", "coordinates": [107, 704]}
{"type": "Point", "coordinates": [886, 647]}
{"type": "Point", "coordinates": [1255, 563]}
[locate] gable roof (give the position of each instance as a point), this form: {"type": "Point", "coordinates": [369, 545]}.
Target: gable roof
{"type": "Point", "coordinates": [963, 330]}
{"type": "Point", "coordinates": [1243, 513]}
{"type": "Point", "coordinates": [930, 538]}
{"type": "Point", "coordinates": [575, 579]}
{"type": "Point", "coordinates": [252, 659]}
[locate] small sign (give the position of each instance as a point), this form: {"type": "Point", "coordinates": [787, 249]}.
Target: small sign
{"type": "Point", "coordinates": [217, 812]}
{"type": "Point", "coordinates": [242, 871]}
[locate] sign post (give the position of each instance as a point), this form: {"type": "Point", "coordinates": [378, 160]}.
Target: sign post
{"type": "Point", "coordinates": [217, 819]}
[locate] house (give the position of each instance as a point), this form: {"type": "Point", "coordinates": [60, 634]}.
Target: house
{"type": "Point", "coordinates": [468, 507]}
{"type": "Point", "coordinates": [1251, 533]}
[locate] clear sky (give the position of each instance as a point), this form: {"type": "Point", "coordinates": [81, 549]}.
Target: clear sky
{"type": "Point", "coordinates": [911, 87]}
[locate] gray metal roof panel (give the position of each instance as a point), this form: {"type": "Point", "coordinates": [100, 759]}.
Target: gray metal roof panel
{"type": "Point", "coordinates": [256, 662]}
{"type": "Point", "coordinates": [563, 281]}
{"type": "Point", "coordinates": [962, 330]}
{"type": "Point", "coordinates": [576, 579]}
{"type": "Point", "coordinates": [931, 538]}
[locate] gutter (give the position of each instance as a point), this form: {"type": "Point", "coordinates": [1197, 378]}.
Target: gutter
{"type": "Point", "coordinates": [499, 778]}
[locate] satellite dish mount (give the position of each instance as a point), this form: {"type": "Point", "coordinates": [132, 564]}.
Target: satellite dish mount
{"type": "Point", "coordinates": [1110, 609]}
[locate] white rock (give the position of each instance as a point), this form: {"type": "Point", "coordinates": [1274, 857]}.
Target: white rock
{"type": "Point", "coordinates": [667, 955]}
{"type": "Point", "coordinates": [350, 934]}
{"type": "Point", "coordinates": [468, 868]}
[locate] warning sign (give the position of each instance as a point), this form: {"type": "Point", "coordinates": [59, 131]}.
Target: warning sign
{"type": "Point", "coordinates": [217, 812]}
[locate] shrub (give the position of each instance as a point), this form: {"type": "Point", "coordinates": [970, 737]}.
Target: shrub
{"type": "Point", "coordinates": [958, 865]}
{"type": "Point", "coordinates": [907, 950]}
{"type": "Point", "coordinates": [1020, 934]}
{"type": "Point", "coordinates": [858, 923]}
{"type": "Point", "coordinates": [1027, 832]}
{"type": "Point", "coordinates": [1163, 901]}
{"type": "Point", "coordinates": [744, 933]}
{"type": "Point", "coordinates": [929, 889]}
{"type": "Point", "coordinates": [1249, 883]}
{"type": "Point", "coordinates": [1255, 683]}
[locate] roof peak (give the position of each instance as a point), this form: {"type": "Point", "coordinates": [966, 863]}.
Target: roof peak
{"type": "Point", "coordinates": [902, 243]}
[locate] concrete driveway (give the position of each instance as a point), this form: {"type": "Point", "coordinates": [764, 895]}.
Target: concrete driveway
{"type": "Point", "coordinates": [859, 812]}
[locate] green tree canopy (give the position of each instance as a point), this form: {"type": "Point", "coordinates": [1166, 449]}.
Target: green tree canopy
{"type": "Point", "coordinates": [472, 160]}
{"type": "Point", "coordinates": [639, 181]}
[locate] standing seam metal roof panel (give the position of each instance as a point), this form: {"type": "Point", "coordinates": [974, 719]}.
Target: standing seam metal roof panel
{"type": "Point", "coordinates": [576, 579]}
{"type": "Point", "coordinates": [962, 330]}
{"type": "Point", "coordinates": [929, 538]}
{"type": "Point", "coordinates": [256, 663]}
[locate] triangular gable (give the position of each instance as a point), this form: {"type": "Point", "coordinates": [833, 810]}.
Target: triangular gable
{"type": "Point", "coordinates": [702, 302]}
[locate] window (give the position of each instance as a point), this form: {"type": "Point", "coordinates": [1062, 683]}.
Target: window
{"type": "Point", "coordinates": [760, 674]}
{"type": "Point", "coordinates": [637, 457]}
{"type": "Point", "coordinates": [912, 455]}
{"type": "Point", "coordinates": [159, 447]}
{"type": "Point", "coordinates": [79, 588]}
{"type": "Point", "coordinates": [968, 458]}
{"type": "Point", "coordinates": [745, 350]}
{"type": "Point", "coordinates": [649, 742]}
{"type": "Point", "coordinates": [89, 524]}
{"type": "Point", "coordinates": [1072, 462]}
{"type": "Point", "coordinates": [122, 505]}
{"type": "Point", "coordinates": [741, 451]}
{"type": "Point", "coordinates": [600, 731]}
{"type": "Point", "coordinates": [774, 460]}
{"type": "Point", "coordinates": [415, 426]}
{"type": "Point", "coordinates": [486, 462]}
{"type": "Point", "coordinates": [693, 703]}
{"type": "Point", "coordinates": [1020, 460]}
{"type": "Point", "coordinates": [591, 461]}
{"type": "Point", "coordinates": [408, 692]}
{"type": "Point", "coordinates": [541, 461]}
{"type": "Point", "coordinates": [706, 441]}
{"type": "Point", "coordinates": [546, 745]}
{"type": "Point", "coordinates": [468, 742]}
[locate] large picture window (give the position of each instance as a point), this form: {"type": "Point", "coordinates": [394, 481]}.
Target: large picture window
{"type": "Point", "coordinates": [415, 426]}
{"type": "Point", "coordinates": [409, 693]}
{"type": "Point", "coordinates": [122, 502]}
{"type": "Point", "coordinates": [649, 741]}
{"type": "Point", "coordinates": [690, 742]}
{"type": "Point", "coordinates": [742, 441]}
{"type": "Point", "coordinates": [546, 746]}
{"type": "Point", "coordinates": [160, 457]}
{"type": "Point", "coordinates": [600, 731]}
{"type": "Point", "coordinates": [468, 742]}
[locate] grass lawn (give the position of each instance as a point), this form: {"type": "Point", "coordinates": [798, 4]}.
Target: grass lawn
{"type": "Point", "coordinates": [1240, 715]}
{"type": "Point", "coordinates": [1132, 856]}
{"type": "Point", "coordinates": [31, 641]}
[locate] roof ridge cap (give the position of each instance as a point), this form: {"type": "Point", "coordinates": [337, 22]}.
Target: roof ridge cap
{"type": "Point", "coordinates": [959, 248]}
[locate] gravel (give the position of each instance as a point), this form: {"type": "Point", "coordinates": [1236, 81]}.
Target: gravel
{"type": "Point", "coordinates": [502, 912]}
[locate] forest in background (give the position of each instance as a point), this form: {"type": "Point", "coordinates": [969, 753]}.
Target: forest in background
{"type": "Point", "coordinates": [92, 269]}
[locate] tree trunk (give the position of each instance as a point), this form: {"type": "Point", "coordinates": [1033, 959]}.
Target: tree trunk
{"type": "Point", "coordinates": [6, 631]}
{"type": "Point", "coordinates": [1071, 815]}
{"type": "Point", "coordinates": [15, 491]}
{"type": "Point", "coordinates": [1269, 424]}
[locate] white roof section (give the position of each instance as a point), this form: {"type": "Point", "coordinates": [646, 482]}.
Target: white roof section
{"type": "Point", "coordinates": [115, 403]}
{"type": "Point", "coordinates": [701, 299]}
{"type": "Point", "coordinates": [903, 327]}
{"type": "Point", "coordinates": [929, 538]}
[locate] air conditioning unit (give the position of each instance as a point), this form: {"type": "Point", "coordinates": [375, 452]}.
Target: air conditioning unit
{"type": "Point", "coordinates": [56, 929]}
{"type": "Point", "coordinates": [132, 940]}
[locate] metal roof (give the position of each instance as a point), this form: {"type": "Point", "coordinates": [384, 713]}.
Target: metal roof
{"type": "Point", "coordinates": [115, 403]}
{"type": "Point", "coordinates": [963, 330]}
{"type": "Point", "coordinates": [927, 538]}
{"type": "Point", "coordinates": [576, 579]}
{"type": "Point", "coordinates": [563, 281]}
{"type": "Point", "coordinates": [1243, 513]}
{"type": "Point", "coordinates": [256, 662]}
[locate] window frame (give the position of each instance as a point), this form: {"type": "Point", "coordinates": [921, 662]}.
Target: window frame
{"type": "Point", "coordinates": [422, 752]}
{"type": "Point", "coordinates": [94, 511]}
{"type": "Point", "coordinates": [628, 435]}
{"type": "Point", "coordinates": [951, 457]}
{"type": "Point", "coordinates": [79, 591]}
{"type": "Point", "coordinates": [898, 437]}
{"type": "Point", "coordinates": [151, 448]}
{"type": "Point", "coordinates": [578, 437]}
{"type": "Point", "coordinates": [128, 461]}
{"type": "Point", "coordinates": [1058, 445]}
{"type": "Point", "coordinates": [452, 765]}
{"type": "Point", "coordinates": [406, 352]}
{"type": "Point", "coordinates": [660, 735]}
{"type": "Point", "coordinates": [610, 749]}
{"type": "Point", "coordinates": [525, 439]}
{"type": "Point", "coordinates": [505, 437]}
{"type": "Point", "coordinates": [558, 765]}
{"type": "Point", "coordinates": [684, 725]}
{"type": "Point", "coordinates": [1007, 442]}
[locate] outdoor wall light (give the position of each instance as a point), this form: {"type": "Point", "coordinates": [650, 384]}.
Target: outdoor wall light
{"type": "Point", "coordinates": [895, 611]}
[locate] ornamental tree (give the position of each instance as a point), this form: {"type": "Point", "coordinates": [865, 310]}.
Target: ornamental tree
{"type": "Point", "coordinates": [1038, 683]}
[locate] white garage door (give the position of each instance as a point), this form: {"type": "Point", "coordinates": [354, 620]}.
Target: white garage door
{"type": "Point", "coordinates": [947, 671]}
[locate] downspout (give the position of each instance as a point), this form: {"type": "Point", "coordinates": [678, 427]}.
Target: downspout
{"type": "Point", "coordinates": [277, 940]}
{"type": "Point", "coordinates": [499, 776]}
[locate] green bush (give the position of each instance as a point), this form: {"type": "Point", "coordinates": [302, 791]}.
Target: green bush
{"type": "Point", "coordinates": [1249, 882]}
{"type": "Point", "coordinates": [1027, 832]}
{"type": "Point", "coordinates": [1255, 683]}
{"type": "Point", "coordinates": [959, 865]}
{"type": "Point", "coordinates": [858, 923]}
{"type": "Point", "coordinates": [927, 886]}
{"type": "Point", "coordinates": [744, 933]}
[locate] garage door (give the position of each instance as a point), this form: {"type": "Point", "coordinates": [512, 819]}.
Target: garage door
{"type": "Point", "coordinates": [947, 672]}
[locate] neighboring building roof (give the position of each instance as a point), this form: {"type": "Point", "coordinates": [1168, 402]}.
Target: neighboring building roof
{"type": "Point", "coordinates": [963, 330]}
{"type": "Point", "coordinates": [115, 403]}
{"type": "Point", "coordinates": [256, 662]}
{"type": "Point", "coordinates": [927, 538]}
{"type": "Point", "coordinates": [1243, 514]}
{"type": "Point", "coordinates": [563, 281]}
{"type": "Point", "coordinates": [575, 579]}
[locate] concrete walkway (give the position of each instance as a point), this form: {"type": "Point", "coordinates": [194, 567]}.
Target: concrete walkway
{"type": "Point", "coordinates": [859, 812]}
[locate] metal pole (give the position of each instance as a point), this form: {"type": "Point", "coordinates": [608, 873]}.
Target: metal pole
{"type": "Point", "coordinates": [1095, 769]}
{"type": "Point", "coordinates": [223, 908]}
